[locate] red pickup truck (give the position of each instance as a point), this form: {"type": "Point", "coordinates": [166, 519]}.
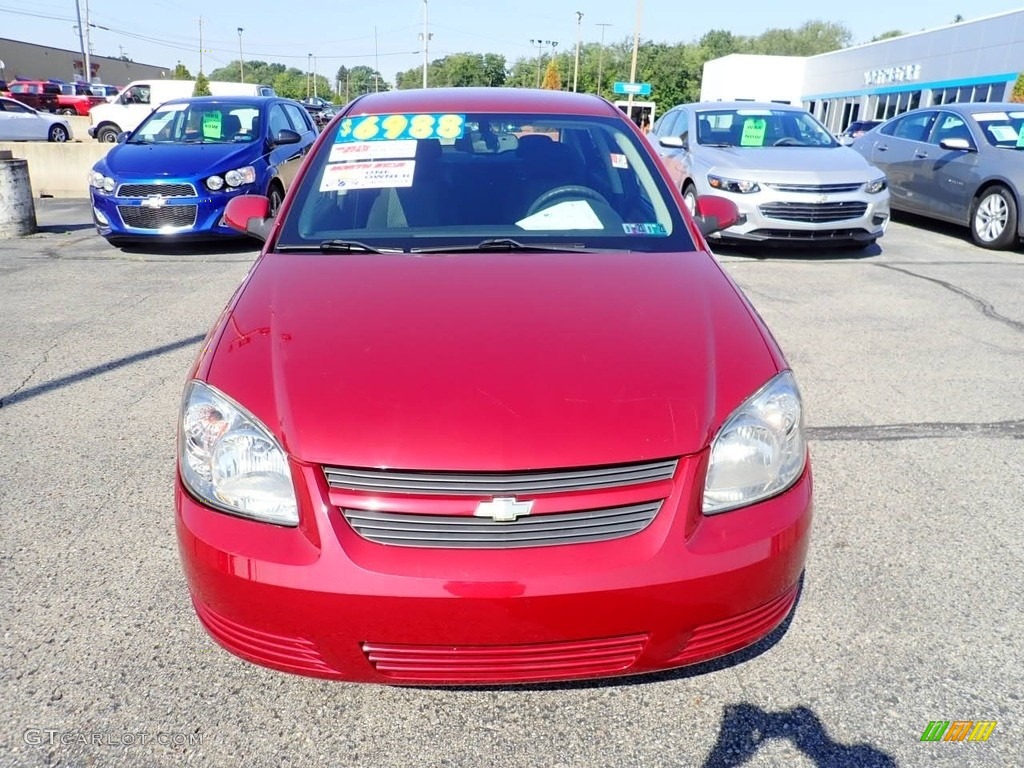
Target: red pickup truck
{"type": "Point", "coordinates": [39, 95]}
{"type": "Point", "coordinates": [77, 99]}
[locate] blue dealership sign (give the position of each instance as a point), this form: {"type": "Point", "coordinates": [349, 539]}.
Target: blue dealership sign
{"type": "Point", "coordinates": [636, 89]}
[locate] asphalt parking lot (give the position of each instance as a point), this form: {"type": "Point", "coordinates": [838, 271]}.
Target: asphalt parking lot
{"type": "Point", "coordinates": [909, 355]}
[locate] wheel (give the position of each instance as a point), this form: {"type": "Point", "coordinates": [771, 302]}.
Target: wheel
{"type": "Point", "coordinates": [276, 197]}
{"type": "Point", "coordinates": [573, 191]}
{"type": "Point", "coordinates": [107, 134]}
{"type": "Point", "coordinates": [690, 198]}
{"type": "Point", "coordinates": [66, 111]}
{"type": "Point", "coordinates": [994, 218]}
{"type": "Point", "coordinates": [58, 133]}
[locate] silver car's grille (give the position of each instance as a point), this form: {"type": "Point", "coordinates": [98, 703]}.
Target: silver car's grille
{"type": "Point", "coordinates": [463, 532]}
{"type": "Point", "coordinates": [814, 213]}
{"type": "Point", "coordinates": [164, 190]}
{"type": "Point", "coordinates": [816, 189]}
{"type": "Point", "coordinates": [499, 483]}
{"type": "Point", "coordinates": [173, 216]}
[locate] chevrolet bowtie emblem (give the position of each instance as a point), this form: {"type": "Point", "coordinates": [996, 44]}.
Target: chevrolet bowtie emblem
{"type": "Point", "coordinates": [503, 509]}
{"type": "Point", "coordinates": [154, 201]}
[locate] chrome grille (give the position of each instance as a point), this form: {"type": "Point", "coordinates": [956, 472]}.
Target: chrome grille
{"type": "Point", "coordinates": [164, 190]}
{"type": "Point", "coordinates": [499, 483]}
{"type": "Point", "coordinates": [171, 216]}
{"type": "Point", "coordinates": [816, 189]}
{"type": "Point", "coordinates": [814, 212]}
{"type": "Point", "coordinates": [463, 532]}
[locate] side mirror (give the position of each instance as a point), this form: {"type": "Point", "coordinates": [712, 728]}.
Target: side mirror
{"type": "Point", "coordinates": [961, 144]}
{"type": "Point", "coordinates": [122, 137]}
{"type": "Point", "coordinates": [249, 214]}
{"type": "Point", "coordinates": [716, 213]}
{"type": "Point", "coordinates": [286, 136]}
{"type": "Point", "coordinates": [672, 142]}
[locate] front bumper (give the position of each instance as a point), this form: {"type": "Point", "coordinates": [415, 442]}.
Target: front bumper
{"type": "Point", "coordinates": [320, 600]}
{"type": "Point", "coordinates": [807, 219]}
{"type": "Point", "coordinates": [159, 217]}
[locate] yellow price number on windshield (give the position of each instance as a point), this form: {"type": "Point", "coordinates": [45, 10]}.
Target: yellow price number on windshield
{"type": "Point", "coordinates": [399, 127]}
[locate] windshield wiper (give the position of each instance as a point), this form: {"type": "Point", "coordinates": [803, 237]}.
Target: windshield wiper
{"type": "Point", "coordinates": [502, 244]}
{"type": "Point", "coordinates": [353, 246]}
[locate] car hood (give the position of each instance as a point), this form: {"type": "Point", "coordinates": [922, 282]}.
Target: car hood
{"type": "Point", "coordinates": [489, 362]}
{"type": "Point", "coordinates": [824, 164]}
{"type": "Point", "coordinates": [176, 160]}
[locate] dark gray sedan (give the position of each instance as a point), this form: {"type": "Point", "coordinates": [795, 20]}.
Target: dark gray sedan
{"type": "Point", "coordinates": [962, 163]}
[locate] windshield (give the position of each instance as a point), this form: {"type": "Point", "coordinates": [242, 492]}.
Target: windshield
{"type": "Point", "coordinates": [202, 123]}
{"type": "Point", "coordinates": [1002, 129]}
{"type": "Point", "coordinates": [757, 128]}
{"type": "Point", "coordinates": [429, 181]}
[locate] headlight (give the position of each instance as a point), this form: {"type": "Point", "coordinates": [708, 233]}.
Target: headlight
{"type": "Point", "coordinates": [738, 186]}
{"type": "Point", "coordinates": [230, 461]}
{"type": "Point", "coordinates": [101, 183]}
{"type": "Point", "coordinates": [240, 176]}
{"type": "Point", "coordinates": [876, 186]}
{"type": "Point", "coordinates": [215, 183]}
{"type": "Point", "coordinates": [760, 451]}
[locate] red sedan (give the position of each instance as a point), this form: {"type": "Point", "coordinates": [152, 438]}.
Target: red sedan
{"type": "Point", "coordinates": [486, 410]}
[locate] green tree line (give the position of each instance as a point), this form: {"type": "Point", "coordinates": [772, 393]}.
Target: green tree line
{"type": "Point", "coordinates": [673, 69]}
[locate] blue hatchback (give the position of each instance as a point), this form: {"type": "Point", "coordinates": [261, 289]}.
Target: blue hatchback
{"type": "Point", "coordinates": [173, 175]}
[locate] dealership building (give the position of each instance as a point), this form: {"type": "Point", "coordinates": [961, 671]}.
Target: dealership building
{"type": "Point", "coordinates": [44, 62]}
{"type": "Point", "coordinates": [976, 60]}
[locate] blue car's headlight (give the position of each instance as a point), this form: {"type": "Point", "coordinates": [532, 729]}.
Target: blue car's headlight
{"type": "Point", "coordinates": [234, 178]}
{"type": "Point", "coordinates": [101, 182]}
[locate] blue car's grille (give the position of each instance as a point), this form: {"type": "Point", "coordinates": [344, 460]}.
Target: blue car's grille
{"type": "Point", "coordinates": [167, 216]}
{"type": "Point", "coordinates": [164, 190]}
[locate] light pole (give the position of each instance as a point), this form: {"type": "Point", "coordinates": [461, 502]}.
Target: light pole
{"type": "Point", "coordinates": [540, 56]}
{"type": "Point", "coordinates": [426, 42]}
{"type": "Point", "coordinates": [579, 40]}
{"type": "Point", "coordinates": [314, 78]}
{"type": "Point", "coordinates": [241, 61]}
{"type": "Point", "coordinates": [309, 71]}
{"type": "Point", "coordinates": [636, 47]}
{"type": "Point", "coordinates": [600, 58]}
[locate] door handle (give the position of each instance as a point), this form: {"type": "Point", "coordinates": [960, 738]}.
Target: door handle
{"type": "Point", "coordinates": [920, 155]}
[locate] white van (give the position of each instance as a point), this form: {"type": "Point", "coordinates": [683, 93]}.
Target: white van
{"type": "Point", "coordinates": [141, 97]}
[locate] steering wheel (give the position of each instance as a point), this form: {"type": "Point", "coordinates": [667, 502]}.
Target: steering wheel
{"type": "Point", "coordinates": [574, 191]}
{"type": "Point", "coordinates": [788, 141]}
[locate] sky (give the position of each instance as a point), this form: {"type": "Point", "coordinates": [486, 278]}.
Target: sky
{"type": "Point", "coordinates": [386, 34]}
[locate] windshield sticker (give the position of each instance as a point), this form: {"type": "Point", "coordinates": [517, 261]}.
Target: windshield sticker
{"type": "Point", "coordinates": [380, 174]}
{"type": "Point", "coordinates": [753, 132]}
{"type": "Point", "coordinates": [619, 161]}
{"type": "Point", "coordinates": [745, 112]}
{"type": "Point", "coordinates": [985, 116]}
{"type": "Point", "coordinates": [1002, 132]}
{"type": "Point", "coordinates": [211, 125]}
{"type": "Point", "coordinates": [572, 214]}
{"type": "Point", "coordinates": [373, 150]}
{"type": "Point", "coordinates": [400, 127]}
{"type": "Point", "coordinates": [658, 230]}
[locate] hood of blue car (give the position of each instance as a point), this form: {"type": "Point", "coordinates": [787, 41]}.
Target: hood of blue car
{"type": "Point", "coordinates": [156, 161]}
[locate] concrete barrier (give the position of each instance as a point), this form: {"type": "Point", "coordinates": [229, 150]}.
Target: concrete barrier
{"type": "Point", "coordinates": [17, 209]}
{"type": "Point", "coordinates": [58, 170]}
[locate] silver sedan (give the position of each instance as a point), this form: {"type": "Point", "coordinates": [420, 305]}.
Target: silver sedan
{"type": "Point", "coordinates": [961, 163]}
{"type": "Point", "coordinates": [19, 122]}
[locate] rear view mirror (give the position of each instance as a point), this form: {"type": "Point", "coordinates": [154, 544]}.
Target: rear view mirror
{"type": "Point", "coordinates": [715, 213]}
{"type": "Point", "coordinates": [249, 214]}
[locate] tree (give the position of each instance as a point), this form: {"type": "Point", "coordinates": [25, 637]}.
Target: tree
{"type": "Point", "coordinates": [1017, 97]}
{"type": "Point", "coordinates": [887, 35]}
{"type": "Point", "coordinates": [181, 73]}
{"type": "Point", "coordinates": [202, 86]}
{"type": "Point", "coordinates": [552, 79]}
{"type": "Point", "coordinates": [810, 39]}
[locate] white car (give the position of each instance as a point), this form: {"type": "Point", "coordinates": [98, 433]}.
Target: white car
{"type": "Point", "coordinates": [19, 122]}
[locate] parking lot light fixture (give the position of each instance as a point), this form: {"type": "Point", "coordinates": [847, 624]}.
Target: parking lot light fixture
{"type": "Point", "coordinates": [241, 60]}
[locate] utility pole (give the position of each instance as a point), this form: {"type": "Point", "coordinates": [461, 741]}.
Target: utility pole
{"type": "Point", "coordinates": [426, 43]}
{"type": "Point", "coordinates": [81, 39]}
{"type": "Point", "coordinates": [579, 41]}
{"type": "Point", "coordinates": [309, 69]}
{"type": "Point", "coordinates": [314, 78]}
{"type": "Point", "coordinates": [540, 56]}
{"type": "Point", "coordinates": [600, 59]}
{"type": "Point", "coordinates": [636, 47]}
{"type": "Point", "coordinates": [241, 61]}
{"type": "Point", "coordinates": [376, 63]}
{"type": "Point", "coordinates": [88, 46]}
{"type": "Point", "coordinates": [200, 45]}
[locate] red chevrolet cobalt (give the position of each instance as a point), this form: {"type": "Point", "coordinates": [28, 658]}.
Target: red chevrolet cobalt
{"type": "Point", "coordinates": [486, 410]}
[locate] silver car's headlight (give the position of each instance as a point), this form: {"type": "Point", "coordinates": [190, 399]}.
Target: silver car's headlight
{"type": "Point", "coordinates": [739, 186]}
{"type": "Point", "coordinates": [230, 461]}
{"type": "Point", "coordinates": [875, 186]}
{"type": "Point", "coordinates": [760, 451]}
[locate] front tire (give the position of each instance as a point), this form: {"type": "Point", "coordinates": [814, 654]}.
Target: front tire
{"type": "Point", "coordinates": [58, 133]}
{"type": "Point", "coordinates": [994, 218]}
{"type": "Point", "coordinates": [276, 197]}
{"type": "Point", "coordinates": [690, 198]}
{"type": "Point", "coordinates": [107, 135]}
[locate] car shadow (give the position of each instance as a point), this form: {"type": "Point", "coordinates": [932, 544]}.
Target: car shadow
{"type": "Point", "coordinates": [944, 228]}
{"type": "Point", "coordinates": [746, 728]}
{"type": "Point", "coordinates": [60, 229]}
{"type": "Point", "coordinates": [192, 247]}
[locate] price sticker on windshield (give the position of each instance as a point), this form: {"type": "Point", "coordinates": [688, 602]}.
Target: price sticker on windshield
{"type": "Point", "coordinates": [400, 127]}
